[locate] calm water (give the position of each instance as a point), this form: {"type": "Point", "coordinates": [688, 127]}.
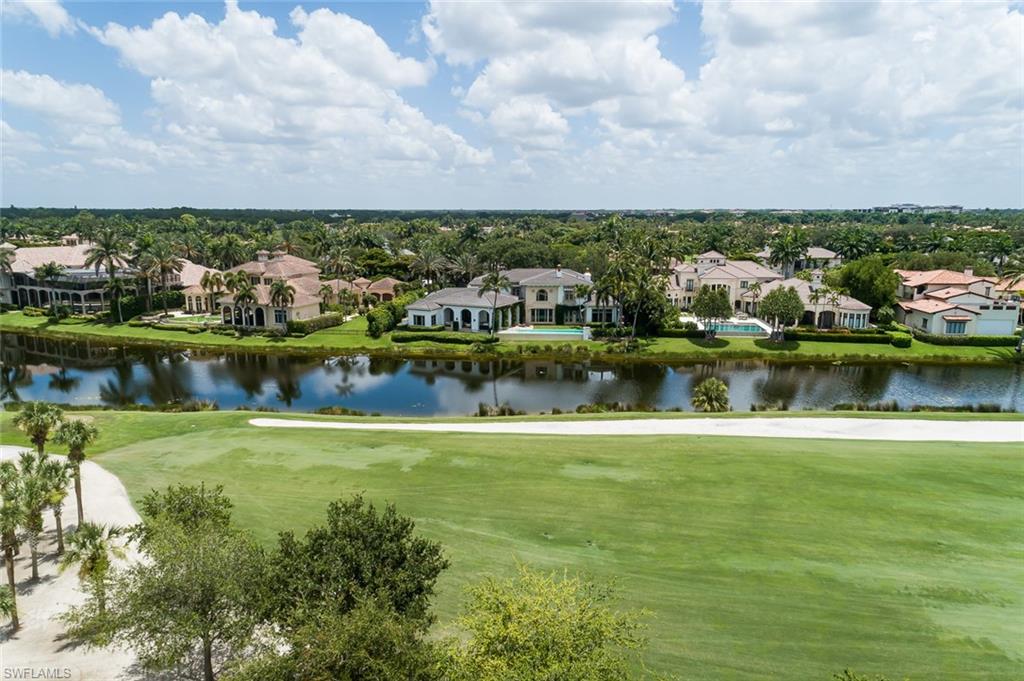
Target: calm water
{"type": "Point", "coordinates": [84, 373]}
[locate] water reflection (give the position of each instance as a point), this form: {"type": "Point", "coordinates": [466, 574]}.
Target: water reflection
{"type": "Point", "coordinates": [92, 373]}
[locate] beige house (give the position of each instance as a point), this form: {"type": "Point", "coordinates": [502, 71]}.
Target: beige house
{"type": "Point", "coordinates": [949, 303]}
{"type": "Point", "coordinates": [382, 290]}
{"type": "Point", "coordinates": [817, 257]}
{"type": "Point", "coordinates": [557, 296]}
{"type": "Point", "coordinates": [820, 309]}
{"type": "Point", "coordinates": [715, 270]}
{"type": "Point", "coordinates": [301, 274]}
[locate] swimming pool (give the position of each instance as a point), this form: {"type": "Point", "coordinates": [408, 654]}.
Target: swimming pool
{"type": "Point", "coordinates": [739, 328]}
{"type": "Point", "coordinates": [535, 333]}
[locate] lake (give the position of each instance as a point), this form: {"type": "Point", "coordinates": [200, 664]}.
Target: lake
{"type": "Point", "coordinates": [89, 373]}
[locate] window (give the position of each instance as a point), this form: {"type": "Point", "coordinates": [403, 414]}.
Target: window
{"type": "Point", "coordinates": [542, 295]}
{"type": "Point", "coordinates": [954, 328]}
{"type": "Point", "coordinates": [985, 307]}
{"type": "Point", "coordinates": [418, 320]}
{"type": "Point", "coordinates": [280, 316]}
{"type": "Point", "coordinates": [267, 280]}
{"type": "Point", "coordinates": [689, 284]}
{"type": "Point", "coordinates": [601, 315]}
{"type": "Point", "coordinates": [924, 323]}
{"type": "Point", "coordinates": [542, 316]}
{"type": "Point", "coordinates": [743, 284]}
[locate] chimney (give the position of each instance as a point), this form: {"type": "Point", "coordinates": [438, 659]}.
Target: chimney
{"type": "Point", "coordinates": [969, 271]}
{"type": "Point", "coordinates": [558, 271]}
{"type": "Point", "coordinates": [816, 277]}
{"type": "Point", "coordinates": [588, 276]}
{"type": "Point", "coordinates": [277, 255]}
{"type": "Point", "coordinates": [261, 256]}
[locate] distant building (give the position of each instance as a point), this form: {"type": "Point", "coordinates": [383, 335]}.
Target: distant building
{"type": "Point", "coordinates": [917, 209]}
{"type": "Point", "coordinates": [553, 296]}
{"type": "Point", "coordinates": [715, 270]}
{"type": "Point", "coordinates": [817, 257]}
{"type": "Point", "coordinates": [301, 274]}
{"type": "Point", "coordinates": [949, 303]}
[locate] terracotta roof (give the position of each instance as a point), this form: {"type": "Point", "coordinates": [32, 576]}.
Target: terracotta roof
{"type": "Point", "coordinates": [71, 257]}
{"type": "Point", "coordinates": [949, 292]}
{"type": "Point", "coordinates": [387, 284]}
{"type": "Point", "coordinates": [280, 266]}
{"type": "Point", "coordinates": [956, 318]}
{"type": "Point", "coordinates": [361, 282]}
{"type": "Point", "coordinates": [263, 297]}
{"type": "Point", "coordinates": [191, 273]}
{"type": "Point", "coordinates": [339, 285]}
{"type": "Point", "coordinates": [939, 277]}
{"type": "Point", "coordinates": [462, 297]}
{"type": "Point", "coordinates": [711, 254]}
{"type": "Point", "coordinates": [1007, 285]}
{"type": "Point", "coordinates": [931, 306]}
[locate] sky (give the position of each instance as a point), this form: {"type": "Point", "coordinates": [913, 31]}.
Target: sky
{"type": "Point", "coordinates": [512, 105]}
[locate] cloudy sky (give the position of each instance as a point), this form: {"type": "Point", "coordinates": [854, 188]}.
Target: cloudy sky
{"type": "Point", "coordinates": [512, 104]}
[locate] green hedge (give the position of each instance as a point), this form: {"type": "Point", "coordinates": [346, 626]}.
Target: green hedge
{"type": "Point", "coordinates": [452, 337]}
{"type": "Point", "coordinates": [682, 333]}
{"type": "Point", "coordinates": [825, 337]}
{"type": "Point", "coordinates": [986, 341]}
{"type": "Point", "coordinates": [386, 316]}
{"type": "Point", "coordinates": [901, 340]}
{"type": "Point", "coordinates": [308, 326]}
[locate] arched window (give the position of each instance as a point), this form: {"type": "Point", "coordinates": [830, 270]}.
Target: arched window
{"type": "Point", "coordinates": [542, 295]}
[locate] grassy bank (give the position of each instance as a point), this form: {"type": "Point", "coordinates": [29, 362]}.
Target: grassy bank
{"type": "Point", "coordinates": [351, 338]}
{"type": "Point", "coordinates": [758, 559]}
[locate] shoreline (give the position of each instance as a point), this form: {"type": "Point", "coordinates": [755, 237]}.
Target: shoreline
{"type": "Point", "coordinates": [518, 350]}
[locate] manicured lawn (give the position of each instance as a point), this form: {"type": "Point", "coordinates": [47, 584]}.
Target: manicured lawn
{"type": "Point", "coordinates": [758, 559]}
{"type": "Point", "coordinates": [351, 338]}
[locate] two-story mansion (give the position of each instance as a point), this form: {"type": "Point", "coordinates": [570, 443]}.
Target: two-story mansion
{"type": "Point", "coordinates": [948, 303]}
{"type": "Point", "coordinates": [557, 296]}
{"type": "Point", "coordinates": [301, 274]}
{"type": "Point", "coordinates": [716, 271]}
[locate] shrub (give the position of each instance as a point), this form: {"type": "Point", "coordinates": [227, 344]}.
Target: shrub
{"type": "Point", "coordinates": [986, 341]}
{"type": "Point", "coordinates": [834, 337]}
{"type": "Point", "coordinates": [686, 331]}
{"type": "Point", "coordinates": [138, 323]}
{"type": "Point", "coordinates": [900, 339]}
{"type": "Point", "coordinates": [484, 409]}
{"type": "Point", "coordinates": [386, 316]}
{"type": "Point", "coordinates": [30, 311]}
{"type": "Point", "coordinates": [451, 337]}
{"type": "Point", "coordinates": [308, 326]}
{"type": "Point", "coordinates": [339, 411]}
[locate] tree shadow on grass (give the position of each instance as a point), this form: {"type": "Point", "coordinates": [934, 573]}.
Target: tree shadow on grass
{"type": "Point", "coordinates": [710, 343]}
{"type": "Point", "coordinates": [775, 346]}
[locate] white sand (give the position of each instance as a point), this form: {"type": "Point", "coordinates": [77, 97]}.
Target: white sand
{"type": "Point", "coordinates": [38, 645]}
{"type": "Point", "coordinates": [909, 430]}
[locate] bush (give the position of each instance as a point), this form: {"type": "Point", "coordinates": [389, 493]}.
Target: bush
{"type": "Point", "coordinates": [900, 339]}
{"type": "Point", "coordinates": [386, 316]}
{"type": "Point", "coordinates": [30, 311]}
{"type": "Point", "coordinates": [685, 331]}
{"type": "Point", "coordinates": [133, 306]}
{"type": "Point", "coordinates": [339, 411]}
{"type": "Point", "coordinates": [484, 409]}
{"type": "Point", "coordinates": [308, 326]}
{"type": "Point", "coordinates": [609, 332]}
{"type": "Point", "coordinates": [451, 337]}
{"type": "Point", "coordinates": [834, 337]}
{"type": "Point", "coordinates": [986, 341]}
{"type": "Point", "coordinates": [138, 323]}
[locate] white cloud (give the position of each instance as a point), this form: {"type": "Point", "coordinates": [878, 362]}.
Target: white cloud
{"type": "Point", "coordinates": [245, 94]}
{"type": "Point", "coordinates": [64, 102]}
{"type": "Point", "coordinates": [49, 14]}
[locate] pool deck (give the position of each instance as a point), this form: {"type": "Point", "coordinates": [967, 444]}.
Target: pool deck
{"type": "Point", "coordinates": [535, 333]}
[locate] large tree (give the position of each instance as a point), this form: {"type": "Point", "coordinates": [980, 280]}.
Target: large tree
{"type": "Point", "coordinates": [711, 305]}
{"type": "Point", "coordinates": [38, 420]}
{"type": "Point", "coordinates": [76, 435]}
{"type": "Point", "coordinates": [869, 280]}
{"type": "Point", "coordinates": [787, 246]}
{"type": "Point", "coordinates": [783, 306]}
{"type": "Point", "coordinates": [360, 552]}
{"type": "Point", "coordinates": [544, 626]}
{"type": "Point", "coordinates": [494, 283]}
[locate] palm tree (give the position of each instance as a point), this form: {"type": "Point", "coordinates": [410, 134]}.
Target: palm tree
{"type": "Point", "coordinates": [337, 263]}
{"type": "Point", "coordinates": [212, 283]}
{"type": "Point", "coordinates": [711, 394]}
{"type": "Point", "coordinates": [816, 297]}
{"type": "Point", "coordinates": [6, 261]}
{"type": "Point", "coordinates": [12, 517]}
{"type": "Point", "coordinates": [34, 498]}
{"type": "Point", "coordinates": [36, 420]}
{"type": "Point", "coordinates": [92, 548]}
{"type": "Point", "coordinates": [229, 250]}
{"type": "Point", "coordinates": [56, 475]}
{"type": "Point", "coordinates": [161, 261]}
{"type": "Point", "coordinates": [109, 250]}
{"type": "Point", "coordinates": [117, 290]}
{"type": "Point", "coordinates": [464, 266]}
{"type": "Point", "coordinates": [76, 435]}
{"type": "Point", "coordinates": [327, 295]}
{"type": "Point", "coordinates": [495, 282]}
{"type": "Point", "coordinates": [282, 294]}
{"type": "Point", "coordinates": [245, 294]}
{"type": "Point", "coordinates": [786, 247]}
{"type": "Point", "coordinates": [46, 273]}
{"type": "Point", "coordinates": [755, 293]}
{"type": "Point", "coordinates": [429, 265]}
{"type": "Point", "coordinates": [834, 298]}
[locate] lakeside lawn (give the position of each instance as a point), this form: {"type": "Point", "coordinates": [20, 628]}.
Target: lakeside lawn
{"type": "Point", "coordinates": [757, 558]}
{"type": "Point", "coordinates": [351, 338]}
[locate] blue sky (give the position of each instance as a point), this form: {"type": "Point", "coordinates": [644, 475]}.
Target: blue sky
{"type": "Point", "coordinates": [512, 105]}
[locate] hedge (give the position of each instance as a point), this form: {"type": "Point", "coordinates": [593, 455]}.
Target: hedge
{"type": "Point", "coordinates": [386, 316]}
{"type": "Point", "coordinates": [132, 306]}
{"type": "Point", "coordinates": [453, 337]}
{"type": "Point", "coordinates": [682, 333]}
{"type": "Point", "coordinates": [988, 341]}
{"type": "Point", "coordinates": [901, 340]}
{"type": "Point", "coordinates": [878, 339]}
{"type": "Point", "coordinates": [308, 326]}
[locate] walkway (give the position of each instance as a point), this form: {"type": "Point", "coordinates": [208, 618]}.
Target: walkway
{"type": "Point", "coordinates": [909, 430]}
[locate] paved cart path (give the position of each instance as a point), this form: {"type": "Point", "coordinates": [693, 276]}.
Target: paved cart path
{"type": "Point", "coordinates": [909, 430]}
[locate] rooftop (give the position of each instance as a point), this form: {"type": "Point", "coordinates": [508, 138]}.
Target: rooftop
{"type": "Point", "coordinates": [466, 297]}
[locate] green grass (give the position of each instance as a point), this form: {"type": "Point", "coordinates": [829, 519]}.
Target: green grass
{"type": "Point", "coordinates": [757, 558]}
{"type": "Point", "coordinates": [351, 338]}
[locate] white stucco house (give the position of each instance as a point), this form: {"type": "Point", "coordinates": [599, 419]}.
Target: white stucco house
{"type": "Point", "coordinates": [465, 309]}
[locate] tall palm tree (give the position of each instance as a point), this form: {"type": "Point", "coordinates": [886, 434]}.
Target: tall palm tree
{"type": "Point", "coordinates": [786, 247]}
{"type": "Point", "coordinates": [12, 517]}
{"type": "Point", "coordinates": [162, 261]}
{"type": "Point", "coordinates": [229, 250]}
{"type": "Point", "coordinates": [37, 420]}
{"type": "Point", "coordinates": [55, 472]}
{"type": "Point", "coordinates": [245, 295]}
{"type": "Point", "coordinates": [429, 265]}
{"type": "Point", "coordinates": [833, 297]}
{"type": "Point", "coordinates": [282, 294]}
{"type": "Point", "coordinates": [817, 295]}
{"type": "Point", "coordinates": [494, 283]}
{"type": "Point", "coordinates": [34, 499]}
{"type": "Point", "coordinates": [76, 435]}
{"type": "Point", "coordinates": [755, 293]}
{"type": "Point", "coordinates": [212, 283]}
{"type": "Point", "coordinates": [464, 266]}
{"type": "Point", "coordinates": [6, 261]}
{"type": "Point", "coordinates": [117, 289]}
{"type": "Point", "coordinates": [327, 295]}
{"type": "Point", "coordinates": [337, 263]}
{"type": "Point", "coordinates": [109, 251]}
{"type": "Point", "coordinates": [92, 548]}
{"type": "Point", "coordinates": [47, 273]}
